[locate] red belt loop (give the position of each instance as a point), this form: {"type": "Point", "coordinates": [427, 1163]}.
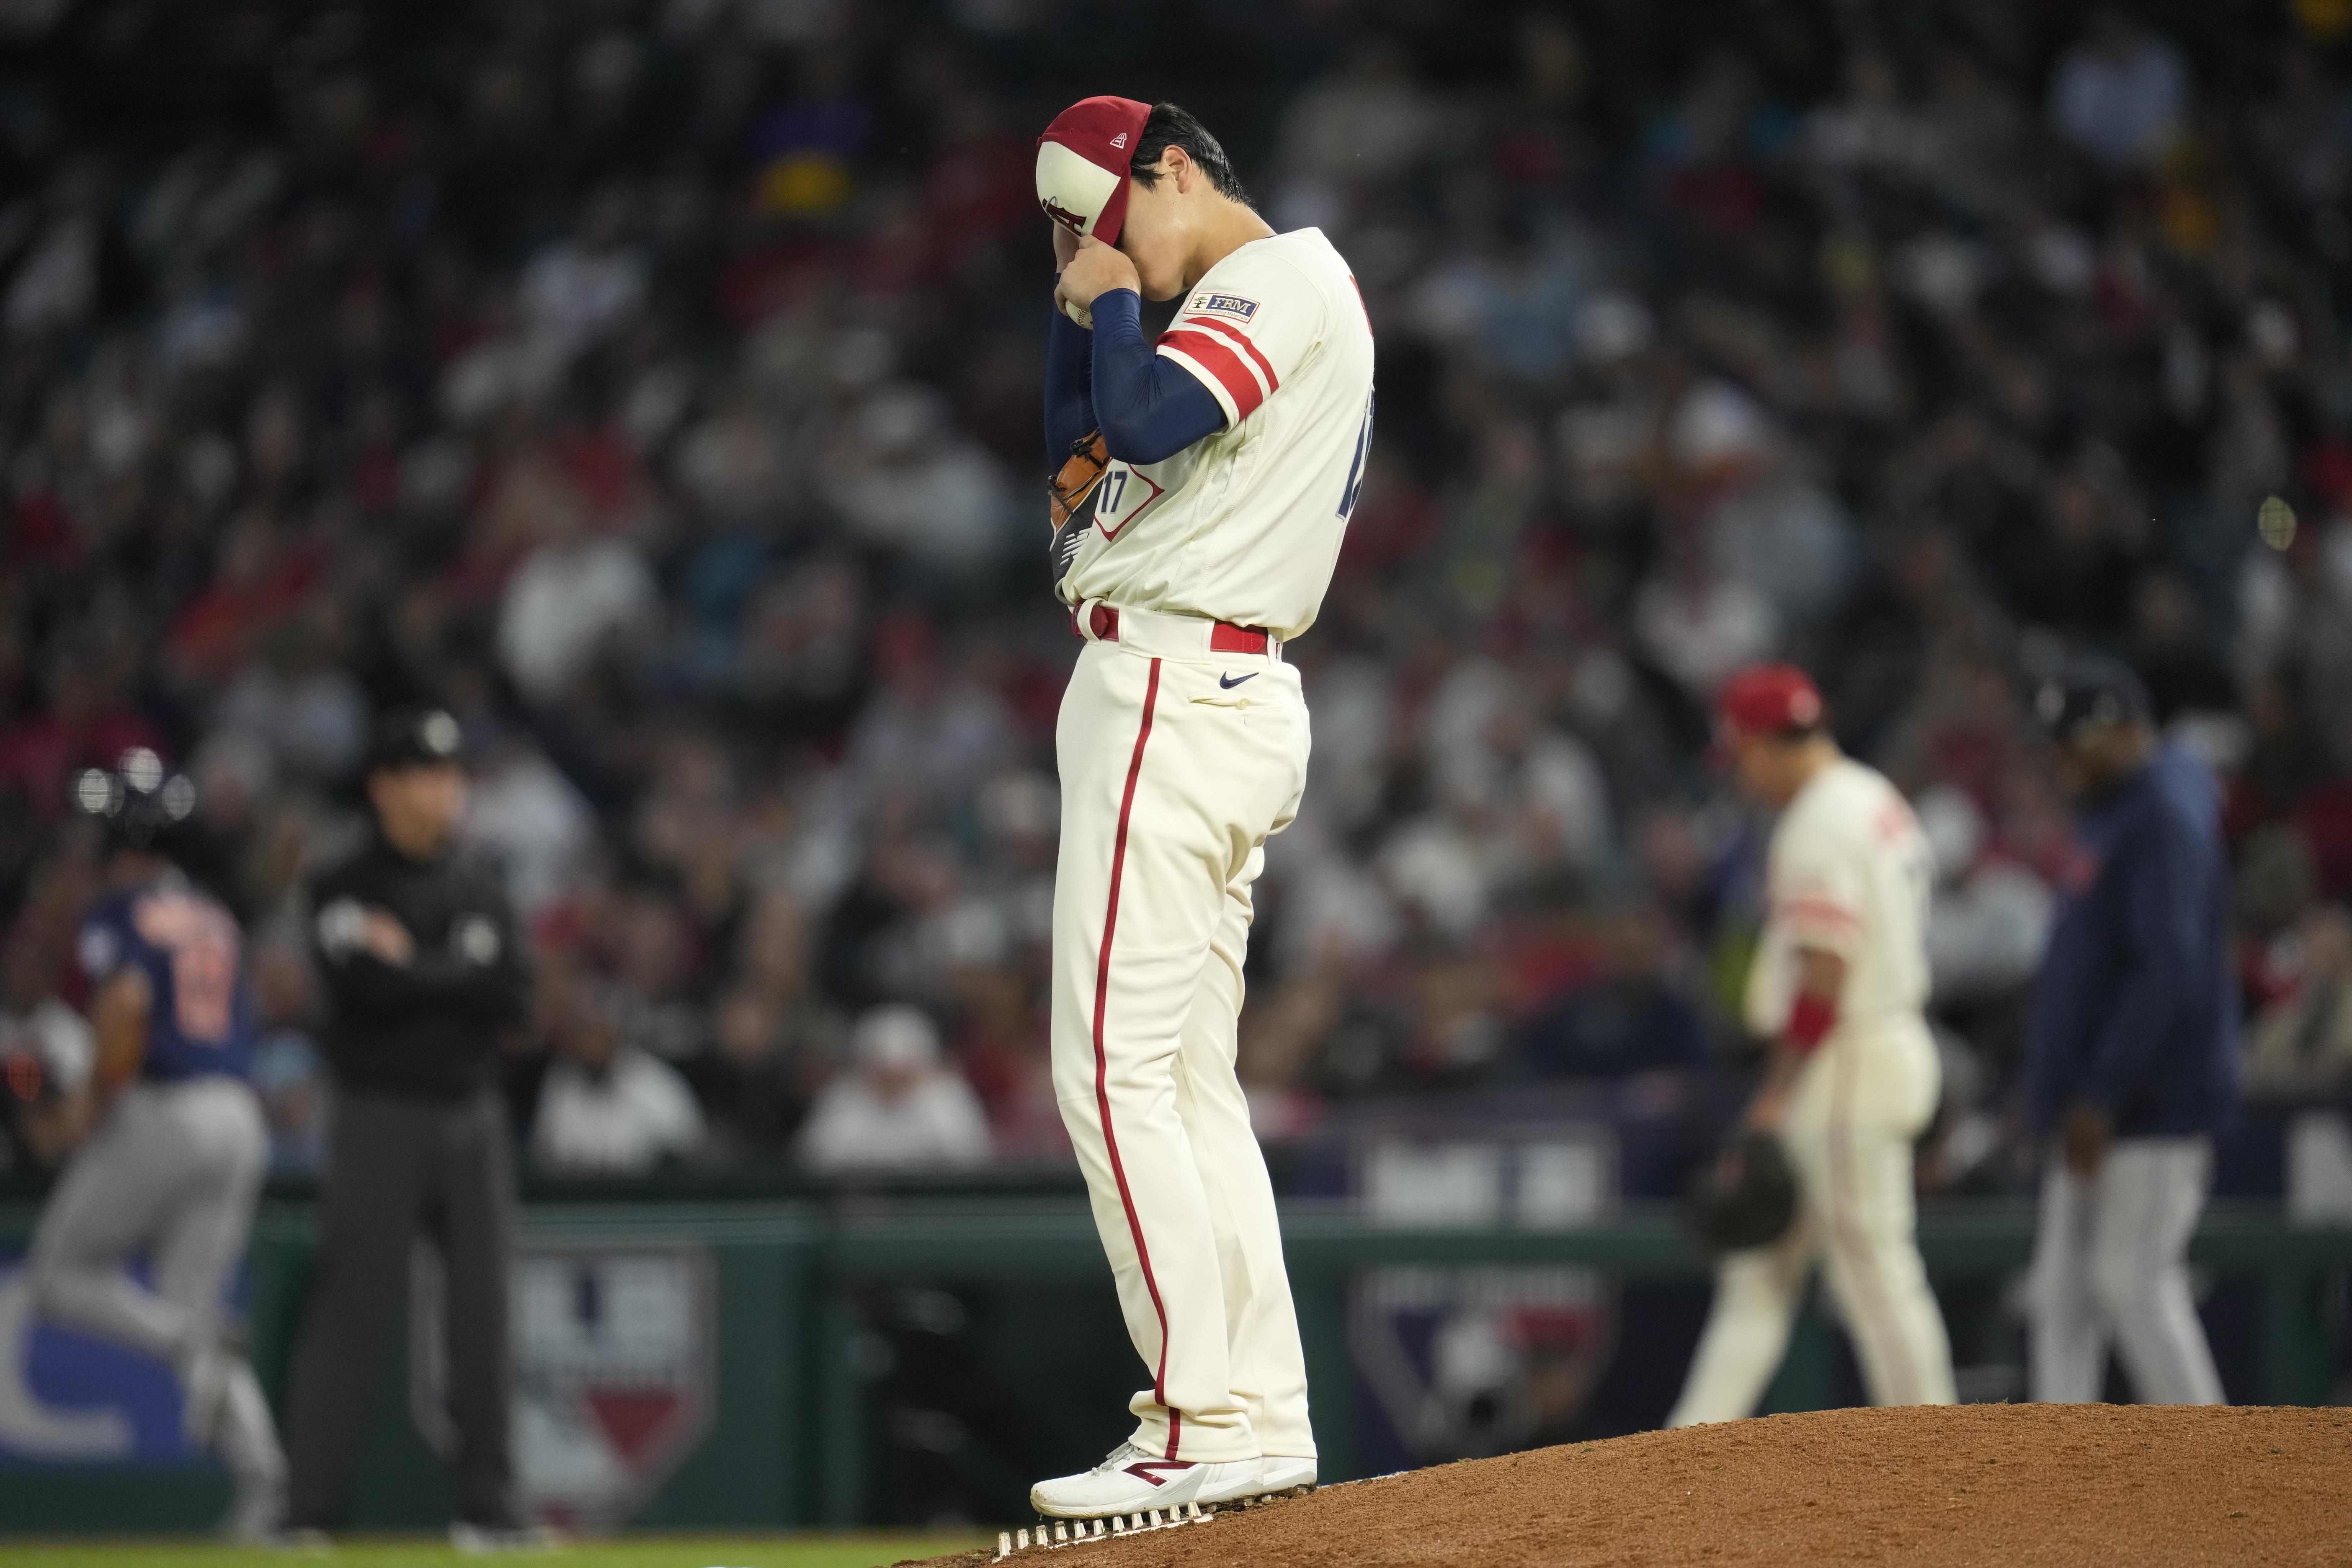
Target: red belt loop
{"type": "Point", "coordinates": [1227, 637]}
{"type": "Point", "coordinates": [1106, 623]}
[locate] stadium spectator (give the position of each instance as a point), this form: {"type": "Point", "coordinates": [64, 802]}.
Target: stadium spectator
{"type": "Point", "coordinates": [2120, 95]}
{"type": "Point", "coordinates": [608, 1106]}
{"type": "Point", "coordinates": [757, 1080]}
{"type": "Point", "coordinates": [1988, 918]}
{"type": "Point", "coordinates": [290, 1069]}
{"type": "Point", "coordinates": [900, 1107]}
{"type": "Point", "coordinates": [2299, 1049]}
{"type": "Point", "coordinates": [47, 1053]}
{"type": "Point", "coordinates": [1637, 1015]}
{"type": "Point", "coordinates": [579, 590]}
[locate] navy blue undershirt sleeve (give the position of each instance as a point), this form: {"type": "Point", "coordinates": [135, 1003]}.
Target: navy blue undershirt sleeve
{"type": "Point", "coordinates": [1150, 408]}
{"type": "Point", "coordinates": [1069, 387]}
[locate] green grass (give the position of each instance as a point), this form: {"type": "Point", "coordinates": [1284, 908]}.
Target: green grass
{"type": "Point", "coordinates": [867, 1550]}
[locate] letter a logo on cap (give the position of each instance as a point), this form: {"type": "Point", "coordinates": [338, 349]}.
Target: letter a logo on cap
{"type": "Point", "coordinates": [1120, 139]}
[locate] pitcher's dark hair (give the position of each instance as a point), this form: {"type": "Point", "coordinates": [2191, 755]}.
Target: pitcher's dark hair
{"type": "Point", "coordinates": [1174, 125]}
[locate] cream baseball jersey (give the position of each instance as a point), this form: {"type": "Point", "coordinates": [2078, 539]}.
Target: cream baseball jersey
{"type": "Point", "coordinates": [1849, 873]}
{"type": "Point", "coordinates": [1245, 525]}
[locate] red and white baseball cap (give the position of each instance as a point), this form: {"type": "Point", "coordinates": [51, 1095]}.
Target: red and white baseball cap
{"type": "Point", "coordinates": [1082, 163]}
{"type": "Point", "coordinates": [1768, 699]}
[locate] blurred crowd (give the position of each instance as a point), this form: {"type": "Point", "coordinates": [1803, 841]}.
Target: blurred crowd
{"type": "Point", "coordinates": [655, 383]}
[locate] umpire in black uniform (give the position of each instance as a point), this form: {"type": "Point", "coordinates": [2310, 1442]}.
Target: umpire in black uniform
{"type": "Point", "coordinates": [425, 968]}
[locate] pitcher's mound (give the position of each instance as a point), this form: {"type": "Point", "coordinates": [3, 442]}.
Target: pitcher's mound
{"type": "Point", "coordinates": [1999, 1486]}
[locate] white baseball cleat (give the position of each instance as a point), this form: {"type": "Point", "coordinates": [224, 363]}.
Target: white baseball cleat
{"type": "Point", "coordinates": [491, 1540]}
{"type": "Point", "coordinates": [1132, 1481]}
{"type": "Point", "coordinates": [1275, 1473]}
{"type": "Point", "coordinates": [257, 1513]}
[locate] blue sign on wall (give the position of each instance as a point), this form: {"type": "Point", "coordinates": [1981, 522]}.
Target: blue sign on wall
{"type": "Point", "coordinates": [66, 1397]}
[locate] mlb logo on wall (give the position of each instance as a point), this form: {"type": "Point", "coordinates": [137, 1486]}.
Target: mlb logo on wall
{"type": "Point", "coordinates": [66, 1397]}
{"type": "Point", "coordinates": [613, 1352]}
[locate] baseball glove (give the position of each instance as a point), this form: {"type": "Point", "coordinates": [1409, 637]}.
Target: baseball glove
{"type": "Point", "coordinates": [1070, 496]}
{"type": "Point", "coordinates": [1748, 1197]}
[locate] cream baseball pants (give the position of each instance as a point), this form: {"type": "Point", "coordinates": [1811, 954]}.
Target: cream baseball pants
{"type": "Point", "coordinates": [1176, 764]}
{"type": "Point", "coordinates": [1855, 1112]}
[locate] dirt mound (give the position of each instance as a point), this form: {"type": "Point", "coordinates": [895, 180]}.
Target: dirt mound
{"type": "Point", "coordinates": [2011, 1485]}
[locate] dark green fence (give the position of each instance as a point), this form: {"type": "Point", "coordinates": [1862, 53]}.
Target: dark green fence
{"type": "Point", "coordinates": [790, 1434]}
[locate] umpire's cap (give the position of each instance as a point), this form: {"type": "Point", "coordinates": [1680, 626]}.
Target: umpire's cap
{"type": "Point", "coordinates": [2090, 691]}
{"type": "Point", "coordinates": [139, 801]}
{"type": "Point", "coordinates": [417, 738]}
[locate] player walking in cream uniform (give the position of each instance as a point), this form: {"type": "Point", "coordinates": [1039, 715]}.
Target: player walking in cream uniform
{"type": "Point", "coordinates": [1838, 983]}
{"type": "Point", "coordinates": [1232, 450]}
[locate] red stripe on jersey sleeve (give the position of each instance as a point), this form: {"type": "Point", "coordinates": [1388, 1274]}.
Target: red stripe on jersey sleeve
{"type": "Point", "coordinates": [1816, 911]}
{"type": "Point", "coordinates": [1249, 348]}
{"type": "Point", "coordinates": [1212, 355]}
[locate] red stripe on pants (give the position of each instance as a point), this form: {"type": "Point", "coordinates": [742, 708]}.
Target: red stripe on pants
{"type": "Point", "coordinates": [1102, 1064]}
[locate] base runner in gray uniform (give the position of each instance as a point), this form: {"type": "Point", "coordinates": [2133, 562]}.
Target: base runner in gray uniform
{"type": "Point", "coordinates": [172, 1168]}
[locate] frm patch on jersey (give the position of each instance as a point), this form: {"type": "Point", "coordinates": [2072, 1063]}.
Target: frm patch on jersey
{"type": "Point", "coordinates": [1225, 305]}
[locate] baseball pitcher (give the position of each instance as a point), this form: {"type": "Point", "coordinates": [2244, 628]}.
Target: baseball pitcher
{"type": "Point", "coordinates": [1838, 983]}
{"type": "Point", "coordinates": [1208, 478]}
{"type": "Point", "coordinates": [180, 1148]}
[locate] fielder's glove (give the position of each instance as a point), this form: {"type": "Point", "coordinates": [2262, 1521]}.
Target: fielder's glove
{"type": "Point", "coordinates": [1748, 1197]}
{"type": "Point", "coordinates": [1070, 497]}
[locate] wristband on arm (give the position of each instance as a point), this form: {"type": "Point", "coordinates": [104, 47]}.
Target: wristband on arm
{"type": "Point", "coordinates": [1810, 1021]}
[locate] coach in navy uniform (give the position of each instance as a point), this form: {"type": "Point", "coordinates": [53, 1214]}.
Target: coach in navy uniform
{"type": "Point", "coordinates": [2131, 1050]}
{"type": "Point", "coordinates": [425, 970]}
